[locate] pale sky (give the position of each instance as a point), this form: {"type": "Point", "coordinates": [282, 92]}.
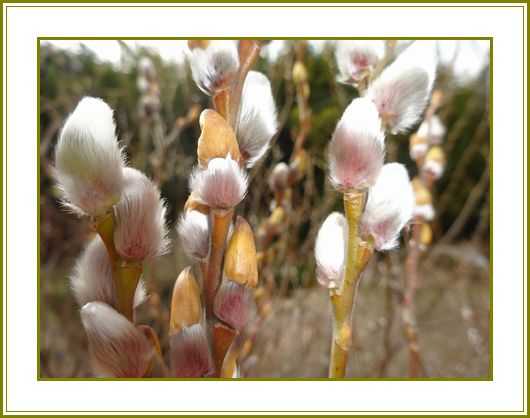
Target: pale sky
{"type": "Point", "coordinates": [471, 57]}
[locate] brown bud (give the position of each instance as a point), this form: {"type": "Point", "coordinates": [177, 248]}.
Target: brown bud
{"type": "Point", "coordinates": [186, 309]}
{"type": "Point", "coordinates": [217, 138]}
{"type": "Point", "coordinates": [198, 43]}
{"type": "Point", "coordinates": [279, 177]}
{"type": "Point", "coordinates": [241, 265]}
{"type": "Point", "coordinates": [299, 165]}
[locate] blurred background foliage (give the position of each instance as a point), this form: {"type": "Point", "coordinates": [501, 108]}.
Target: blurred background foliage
{"type": "Point", "coordinates": [461, 226]}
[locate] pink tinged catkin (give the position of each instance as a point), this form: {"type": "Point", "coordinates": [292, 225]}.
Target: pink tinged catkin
{"type": "Point", "coordinates": [356, 58]}
{"type": "Point", "coordinates": [189, 353]}
{"type": "Point", "coordinates": [118, 348]}
{"type": "Point", "coordinates": [232, 303]}
{"type": "Point", "coordinates": [194, 232]}
{"type": "Point", "coordinates": [88, 159]}
{"type": "Point", "coordinates": [389, 207]}
{"type": "Point", "coordinates": [213, 68]}
{"type": "Point", "coordinates": [257, 118]}
{"type": "Point", "coordinates": [140, 231]}
{"type": "Point", "coordinates": [222, 185]}
{"type": "Point", "coordinates": [402, 90]}
{"type": "Point", "coordinates": [91, 279]}
{"type": "Point", "coordinates": [356, 151]}
{"type": "Point", "coordinates": [330, 250]}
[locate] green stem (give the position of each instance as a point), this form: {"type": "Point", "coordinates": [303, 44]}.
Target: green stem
{"type": "Point", "coordinates": [126, 276]}
{"type": "Point", "coordinates": [343, 300]}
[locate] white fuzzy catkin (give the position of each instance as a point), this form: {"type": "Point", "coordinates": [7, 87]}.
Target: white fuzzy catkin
{"type": "Point", "coordinates": [356, 58]}
{"type": "Point", "coordinates": [432, 129]}
{"type": "Point", "coordinates": [91, 279]}
{"type": "Point", "coordinates": [215, 66]}
{"type": "Point", "coordinates": [356, 151]}
{"type": "Point", "coordinates": [194, 232]}
{"type": "Point", "coordinates": [118, 348]}
{"type": "Point", "coordinates": [418, 150]}
{"type": "Point", "coordinates": [222, 185]}
{"type": "Point", "coordinates": [403, 89]}
{"type": "Point", "coordinates": [330, 248]}
{"type": "Point", "coordinates": [389, 206]}
{"type": "Point", "coordinates": [140, 232]}
{"type": "Point", "coordinates": [88, 159]}
{"type": "Point", "coordinates": [189, 353]}
{"type": "Point", "coordinates": [433, 168]}
{"type": "Point", "coordinates": [257, 118]}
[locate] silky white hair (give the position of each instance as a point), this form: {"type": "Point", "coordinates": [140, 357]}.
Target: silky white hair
{"type": "Point", "coordinates": [257, 122]}
{"type": "Point", "coordinates": [91, 279]}
{"type": "Point", "coordinates": [221, 185]}
{"type": "Point", "coordinates": [403, 89]}
{"type": "Point", "coordinates": [118, 348]}
{"type": "Point", "coordinates": [356, 56]}
{"type": "Point", "coordinates": [141, 231]}
{"type": "Point", "coordinates": [356, 151]}
{"type": "Point", "coordinates": [214, 65]}
{"type": "Point", "coordinates": [88, 159]}
{"type": "Point", "coordinates": [194, 232]}
{"type": "Point", "coordinates": [389, 206]}
{"type": "Point", "coordinates": [330, 250]}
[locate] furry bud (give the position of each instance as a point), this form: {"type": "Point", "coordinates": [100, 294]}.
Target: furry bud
{"type": "Point", "coordinates": [217, 138]}
{"type": "Point", "coordinates": [88, 159]}
{"type": "Point", "coordinates": [356, 151]}
{"type": "Point", "coordinates": [118, 348]}
{"type": "Point", "coordinates": [279, 177]}
{"type": "Point", "coordinates": [418, 146]}
{"type": "Point", "coordinates": [330, 248]}
{"type": "Point", "coordinates": [232, 303]}
{"type": "Point", "coordinates": [214, 64]}
{"type": "Point", "coordinates": [222, 185]}
{"type": "Point", "coordinates": [432, 130]}
{"type": "Point", "coordinates": [186, 308]}
{"type": "Point", "coordinates": [141, 231]}
{"type": "Point", "coordinates": [194, 232]}
{"type": "Point", "coordinates": [402, 90]}
{"type": "Point", "coordinates": [189, 353]}
{"type": "Point", "coordinates": [91, 280]}
{"type": "Point", "coordinates": [357, 59]}
{"type": "Point", "coordinates": [241, 264]}
{"type": "Point", "coordinates": [257, 118]}
{"type": "Point", "coordinates": [434, 163]}
{"type": "Point", "coordinates": [389, 206]}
